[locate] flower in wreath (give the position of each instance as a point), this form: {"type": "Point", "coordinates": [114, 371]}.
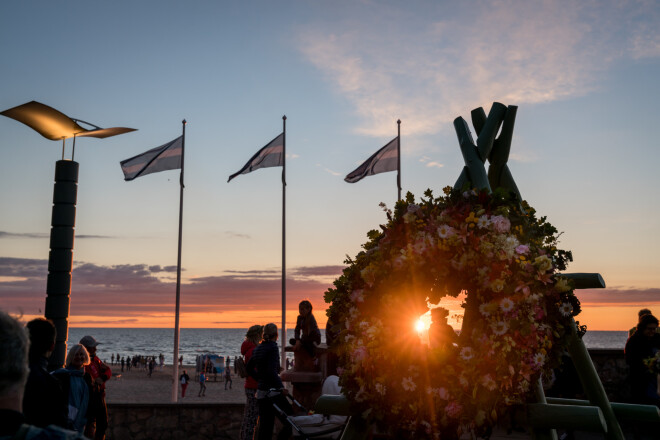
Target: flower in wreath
{"type": "Point", "coordinates": [503, 261]}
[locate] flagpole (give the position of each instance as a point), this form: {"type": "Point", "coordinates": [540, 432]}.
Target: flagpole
{"type": "Point", "coordinates": [283, 341]}
{"type": "Point", "coordinates": [175, 363]}
{"type": "Point", "coordinates": [398, 159]}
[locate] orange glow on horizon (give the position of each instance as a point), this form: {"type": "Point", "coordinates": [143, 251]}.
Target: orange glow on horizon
{"type": "Point", "coordinates": [609, 317]}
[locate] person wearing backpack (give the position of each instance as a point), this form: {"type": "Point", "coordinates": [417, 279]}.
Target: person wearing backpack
{"type": "Point", "coordinates": [251, 414]}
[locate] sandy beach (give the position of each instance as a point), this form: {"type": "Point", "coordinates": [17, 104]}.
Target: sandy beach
{"type": "Point", "coordinates": [136, 387]}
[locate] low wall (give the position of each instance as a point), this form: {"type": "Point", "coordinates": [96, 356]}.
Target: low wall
{"type": "Point", "coordinates": [171, 421]}
{"type": "Point", "coordinates": [201, 421]}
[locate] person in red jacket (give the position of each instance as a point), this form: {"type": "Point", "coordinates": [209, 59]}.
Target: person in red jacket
{"type": "Point", "coordinates": [97, 420]}
{"type": "Point", "coordinates": [251, 414]}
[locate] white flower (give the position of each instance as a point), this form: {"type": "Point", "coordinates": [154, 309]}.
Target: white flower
{"type": "Point", "coordinates": [408, 384]}
{"type": "Point", "coordinates": [445, 231]}
{"type": "Point", "coordinates": [566, 309]}
{"type": "Point", "coordinates": [467, 353]}
{"type": "Point", "coordinates": [500, 328]}
{"type": "Point", "coordinates": [483, 222]}
{"type": "Point", "coordinates": [506, 305]}
{"type": "Point", "coordinates": [380, 388]}
{"type": "Point", "coordinates": [539, 359]}
{"type": "Point", "coordinates": [488, 382]}
{"type": "Point", "coordinates": [443, 393]}
{"type": "Point", "coordinates": [358, 295]}
{"type": "Point", "coordinates": [483, 309]}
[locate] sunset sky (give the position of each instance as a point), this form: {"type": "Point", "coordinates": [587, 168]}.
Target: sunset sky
{"type": "Point", "coordinates": [585, 151]}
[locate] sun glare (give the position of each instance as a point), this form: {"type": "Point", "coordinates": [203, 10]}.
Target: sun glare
{"type": "Point", "coordinates": [420, 325]}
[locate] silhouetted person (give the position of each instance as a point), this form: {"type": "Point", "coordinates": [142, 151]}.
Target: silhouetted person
{"type": "Point", "coordinates": [44, 402]}
{"type": "Point", "coordinates": [97, 422]}
{"type": "Point", "coordinates": [643, 344]}
{"type": "Point", "coordinates": [441, 334]}
{"type": "Point", "coordinates": [13, 376]}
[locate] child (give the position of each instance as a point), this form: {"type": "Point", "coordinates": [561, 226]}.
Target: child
{"type": "Point", "coordinates": [202, 384]}
{"type": "Point", "coordinates": [307, 331]}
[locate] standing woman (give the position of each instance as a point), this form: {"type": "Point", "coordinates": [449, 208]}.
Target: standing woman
{"type": "Point", "coordinates": [642, 345]}
{"type": "Point", "coordinates": [265, 367]}
{"type": "Point", "coordinates": [184, 380]}
{"type": "Point", "coordinates": [251, 414]}
{"type": "Point", "coordinates": [76, 385]}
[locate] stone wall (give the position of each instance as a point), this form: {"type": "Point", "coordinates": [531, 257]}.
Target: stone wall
{"type": "Point", "coordinates": [170, 421]}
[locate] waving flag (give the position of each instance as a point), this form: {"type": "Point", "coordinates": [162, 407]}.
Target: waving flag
{"type": "Point", "coordinates": [383, 160]}
{"type": "Point", "coordinates": [272, 155]}
{"type": "Point", "coordinates": [163, 158]}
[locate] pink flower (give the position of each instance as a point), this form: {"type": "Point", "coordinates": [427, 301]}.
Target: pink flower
{"type": "Point", "coordinates": [500, 223]}
{"type": "Point", "coordinates": [453, 409]}
{"type": "Point", "coordinates": [360, 354]}
{"type": "Point", "coordinates": [522, 249]}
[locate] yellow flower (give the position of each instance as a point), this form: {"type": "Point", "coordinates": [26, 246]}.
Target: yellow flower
{"type": "Point", "coordinates": [543, 263]}
{"type": "Point", "coordinates": [562, 285]}
{"type": "Point", "coordinates": [471, 218]}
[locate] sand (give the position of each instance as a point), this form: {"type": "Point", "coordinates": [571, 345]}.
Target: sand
{"type": "Point", "coordinates": [136, 387]}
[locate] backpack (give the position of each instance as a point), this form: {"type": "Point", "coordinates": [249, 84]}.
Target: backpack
{"type": "Point", "coordinates": [239, 364]}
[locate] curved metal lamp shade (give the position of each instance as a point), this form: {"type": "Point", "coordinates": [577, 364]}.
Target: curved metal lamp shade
{"type": "Point", "coordinates": [55, 125]}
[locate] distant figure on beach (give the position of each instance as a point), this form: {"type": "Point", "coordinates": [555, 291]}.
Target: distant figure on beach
{"type": "Point", "coordinates": [181, 361]}
{"type": "Point", "coordinates": [264, 365]}
{"type": "Point", "coordinates": [184, 380]}
{"type": "Point", "coordinates": [77, 386]}
{"type": "Point", "coordinates": [202, 384]}
{"type": "Point", "coordinates": [13, 375]}
{"type": "Point", "coordinates": [122, 364]}
{"type": "Point", "coordinates": [112, 359]}
{"type": "Point", "coordinates": [251, 413]}
{"type": "Point", "coordinates": [152, 364]}
{"type": "Point", "coordinates": [97, 422]}
{"type": "Point", "coordinates": [441, 334]}
{"type": "Point", "coordinates": [642, 345]}
{"type": "Point", "coordinates": [307, 332]}
{"type": "Point", "coordinates": [228, 377]}
{"type": "Point", "coordinates": [161, 361]}
{"type": "Point", "coordinates": [44, 402]}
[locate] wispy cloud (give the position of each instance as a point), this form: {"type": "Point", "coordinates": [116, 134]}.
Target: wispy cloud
{"type": "Point", "coordinates": [428, 66]}
{"type": "Point", "coordinates": [232, 234]}
{"type": "Point", "coordinates": [328, 170]}
{"type": "Point", "coordinates": [430, 163]}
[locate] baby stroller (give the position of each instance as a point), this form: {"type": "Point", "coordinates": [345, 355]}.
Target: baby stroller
{"type": "Point", "coordinates": [313, 426]}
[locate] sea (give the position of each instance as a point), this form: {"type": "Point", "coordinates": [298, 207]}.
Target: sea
{"type": "Point", "coordinates": [226, 341]}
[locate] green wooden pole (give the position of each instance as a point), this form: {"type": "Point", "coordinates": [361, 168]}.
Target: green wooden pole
{"type": "Point", "coordinates": [628, 412]}
{"type": "Point", "coordinates": [591, 383]}
{"type": "Point", "coordinates": [542, 432]}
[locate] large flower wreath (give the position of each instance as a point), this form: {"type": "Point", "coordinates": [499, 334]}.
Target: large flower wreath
{"type": "Point", "coordinates": [518, 312]}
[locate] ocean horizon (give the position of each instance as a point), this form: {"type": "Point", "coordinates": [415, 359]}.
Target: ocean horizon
{"type": "Point", "coordinates": [227, 341]}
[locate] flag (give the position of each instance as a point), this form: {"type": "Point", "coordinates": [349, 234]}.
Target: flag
{"type": "Point", "coordinates": [383, 160]}
{"type": "Point", "coordinates": [272, 155]}
{"type": "Point", "coordinates": [163, 158]}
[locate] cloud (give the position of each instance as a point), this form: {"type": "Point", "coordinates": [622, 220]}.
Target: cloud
{"type": "Point", "coordinates": [428, 65]}
{"type": "Point", "coordinates": [134, 291]}
{"type": "Point", "coordinates": [430, 163]}
{"type": "Point", "coordinates": [622, 295]}
{"type": "Point", "coordinates": [232, 234]}
{"type": "Point", "coordinates": [328, 170]}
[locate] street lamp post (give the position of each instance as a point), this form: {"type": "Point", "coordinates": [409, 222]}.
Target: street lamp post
{"type": "Point", "coordinates": [54, 125]}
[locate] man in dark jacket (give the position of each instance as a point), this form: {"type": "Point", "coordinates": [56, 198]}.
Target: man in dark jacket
{"type": "Point", "coordinates": [44, 402]}
{"type": "Point", "coordinates": [264, 366]}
